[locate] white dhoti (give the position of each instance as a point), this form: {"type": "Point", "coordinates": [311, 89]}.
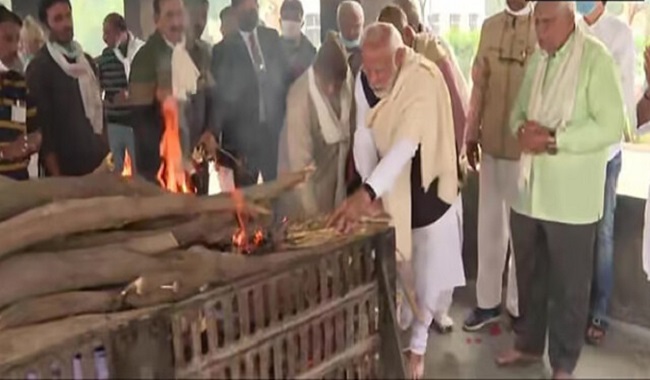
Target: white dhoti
{"type": "Point", "coordinates": [497, 191]}
{"type": "Point", "coordinates": [646, 238]}
{"type": "Point", "coordinates": [438, 269]}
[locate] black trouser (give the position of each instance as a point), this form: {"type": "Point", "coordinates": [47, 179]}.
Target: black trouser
{"type": "Point", "coordinates": [554, 263]}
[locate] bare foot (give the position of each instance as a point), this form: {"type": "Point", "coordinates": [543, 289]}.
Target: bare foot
{"type": "Point", "coordinates": [514, 357]}
{"type": "Point", "coordinates": [561, 375]}
{"type": "Point", "coordinates": [415, 366]}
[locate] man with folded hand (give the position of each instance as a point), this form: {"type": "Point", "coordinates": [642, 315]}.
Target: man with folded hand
{"type": "Point", "coordinates": [569, 112]}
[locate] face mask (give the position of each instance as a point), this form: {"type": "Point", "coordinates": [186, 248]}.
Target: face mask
{"type": "Point", "coordinates": [585, 7]}
{"type": "Point", "coordinates": [249, 20]}
{"type": "Point", "coordinates": [351, 44]}
{"type": "Point", "coordinates": [291, 29]}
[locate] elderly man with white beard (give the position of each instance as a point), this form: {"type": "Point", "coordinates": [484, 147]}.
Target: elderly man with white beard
{"type": "Point", "coordinates": [407, 158]}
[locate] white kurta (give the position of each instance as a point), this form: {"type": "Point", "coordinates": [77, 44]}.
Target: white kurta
{"type": "Point", "coordinates": [437, 263]}
{"type": "Point", "coordinates": [617, 37]}
{"type": "Point", "coordinates": [438, 268]}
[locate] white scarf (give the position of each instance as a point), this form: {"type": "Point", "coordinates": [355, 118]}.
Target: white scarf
{"type": "Point", "coordinates": [334, 130]}
{"type": "Point", "coordinates": [525, 11]}
{"type": "Point", "coordinates": [82, 71]}
{"type": "Point", "coordinates": [185, 74]}
{"type": "Point", "coordinates": [131, 49]}
{"type": "Point", "coordinates": [552, 106]}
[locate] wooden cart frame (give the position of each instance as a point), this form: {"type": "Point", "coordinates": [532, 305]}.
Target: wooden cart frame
{"type": "Point", "coordinates": [327, 313]}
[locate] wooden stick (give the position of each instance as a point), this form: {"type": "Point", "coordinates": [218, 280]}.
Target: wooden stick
{"type": "Point", "coordinates": [81, 215]}
{"type": "Point", "coordinates": [19, 196]}
{"type": "Point", "coordinates": [52, 272]}
{"type": "Point", "coordinates": [63, 305]}
{"type": "Point", "coordinates": [409, 293]}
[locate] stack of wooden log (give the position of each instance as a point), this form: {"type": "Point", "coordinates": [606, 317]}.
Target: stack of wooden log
{"type": "Point", "coordinates": [105, 243]}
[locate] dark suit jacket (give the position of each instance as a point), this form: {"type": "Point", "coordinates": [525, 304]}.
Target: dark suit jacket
{"type": "Point", "coordinates": [238, 94]}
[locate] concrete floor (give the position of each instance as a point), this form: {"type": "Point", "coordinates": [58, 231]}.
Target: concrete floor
{"type": "Point", "coordinates": [624, 354]}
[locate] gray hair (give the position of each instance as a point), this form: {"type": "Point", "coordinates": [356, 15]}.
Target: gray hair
{"type": "Point", "coordinates": [348, 7]}
{"type": "Point", "coordinates": [32, 31]}
{"type": "Point", "coordinates": [380, 34]}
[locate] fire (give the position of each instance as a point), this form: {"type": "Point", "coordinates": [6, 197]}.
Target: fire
{"type": "Point", "coordinates": [172, 175]}
{"type": "Point", "coordinates": [127, 170]}
{"type": "Point", "coordinates": [240, 239]}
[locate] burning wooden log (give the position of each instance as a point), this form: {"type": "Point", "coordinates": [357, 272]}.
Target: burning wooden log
{"type": "Point", "coordinates": [90, 237]}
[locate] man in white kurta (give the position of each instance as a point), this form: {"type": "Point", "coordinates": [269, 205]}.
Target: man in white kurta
{"type": "Point", "coordinates": [405, 151]}
{"type": "Point", "coordinates": [617, 37]}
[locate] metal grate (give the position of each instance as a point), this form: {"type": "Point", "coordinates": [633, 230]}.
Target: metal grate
{"type": "Point", "coordinates": [320, 316]}
{"type": "Point", "coordinates": [325, 313]}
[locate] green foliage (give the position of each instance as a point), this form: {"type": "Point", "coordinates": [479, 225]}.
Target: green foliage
{"type": "Point", "coordinates": [88, 16]}
{"type": "Point", "coordinates": [464, 43]}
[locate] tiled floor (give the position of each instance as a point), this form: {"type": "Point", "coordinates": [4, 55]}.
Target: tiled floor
{"type": "Point", "coordinates": [624, 354]}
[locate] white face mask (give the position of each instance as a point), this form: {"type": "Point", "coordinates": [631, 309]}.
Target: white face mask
{"type": "Point", "coordinates": [291, 29]}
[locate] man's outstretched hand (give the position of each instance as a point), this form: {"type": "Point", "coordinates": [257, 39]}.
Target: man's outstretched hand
{"type": "Point", "coordinates": [348, 216]}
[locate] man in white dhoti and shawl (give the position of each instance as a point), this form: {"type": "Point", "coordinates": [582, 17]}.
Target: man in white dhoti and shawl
{"type": "Point", "coordinates": [317, 132]}
{"type": "Point", "coordinates": [406, 155]}
{"type": "Point", "coordinates": [570, 110]}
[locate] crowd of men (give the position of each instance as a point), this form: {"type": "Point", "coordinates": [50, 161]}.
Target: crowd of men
{"type": "Point", "coordinates": [387, 121]}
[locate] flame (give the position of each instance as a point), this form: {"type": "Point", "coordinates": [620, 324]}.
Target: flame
{"type": "Point", "coordinates": [172, 175]}
{"type": "Point", "coordinates": [127, 170]}
{"type": "Point", "coordinates": [240, 239]}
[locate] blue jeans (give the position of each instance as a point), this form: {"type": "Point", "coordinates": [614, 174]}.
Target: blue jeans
{"type": "Point", "coordinates": [121, 140]}
{"type": "Point", "coordinates": [604, 259]}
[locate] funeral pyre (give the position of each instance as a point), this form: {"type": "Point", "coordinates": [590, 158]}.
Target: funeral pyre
{"type": "Point", "coordinates": [107, 242]}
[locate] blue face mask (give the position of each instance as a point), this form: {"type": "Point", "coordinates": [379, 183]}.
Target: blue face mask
{"type": "Point", "coordinates": [351, 44]}
{"type": "Point", "coordinates": [585, 7]}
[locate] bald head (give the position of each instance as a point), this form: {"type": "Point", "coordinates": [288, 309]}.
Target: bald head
{"type": "Point", "coordinates": [412, 12]}
{"type": "Point", "coordinates": [349, 17]}
{"type": "Point", "coordinates": [394, 15]}
{"type": "Point", "coordinates": [554, 23]}
{"type": "Point", "coordinates": [383, 52]}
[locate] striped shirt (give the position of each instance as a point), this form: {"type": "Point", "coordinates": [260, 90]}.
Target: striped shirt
{"type": "Point", "coordinates": [113, 80]}
{"type": "Point", "coordinates": [13, 93]}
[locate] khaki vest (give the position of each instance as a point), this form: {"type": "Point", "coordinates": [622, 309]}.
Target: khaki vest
{"type": "Point", "coordinates": [506, 43]}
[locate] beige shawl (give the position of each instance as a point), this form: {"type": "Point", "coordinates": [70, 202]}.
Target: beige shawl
{"type": "Point", "coordinates": [417, 108]}
{"type": "Point", "coordinates": [551, 104]}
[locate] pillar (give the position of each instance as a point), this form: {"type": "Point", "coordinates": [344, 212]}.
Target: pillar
{"type": "Point", "coordinates": [328, 16]}
{"type": "Point", "coordinates": [139, 17]}
{"type": "Point", "coordinates": [25, 7]}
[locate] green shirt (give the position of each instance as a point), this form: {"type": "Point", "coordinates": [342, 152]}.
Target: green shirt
{"type": "Point", "coordinates": [568, 187]}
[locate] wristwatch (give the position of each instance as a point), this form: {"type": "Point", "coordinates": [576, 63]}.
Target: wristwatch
{"type": "Point", "coordinates": [370, 191]}
{"type": "Point", "coordinates": [551, 147]}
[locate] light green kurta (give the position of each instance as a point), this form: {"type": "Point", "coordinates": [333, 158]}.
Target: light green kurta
{"type": "Point", "coordinates": [569, 187]}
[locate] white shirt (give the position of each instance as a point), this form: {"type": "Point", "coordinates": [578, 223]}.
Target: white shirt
{"type": "Point", "coordinates": [617, 38]}
{"type": "Point", "coordinates": [382, 173]}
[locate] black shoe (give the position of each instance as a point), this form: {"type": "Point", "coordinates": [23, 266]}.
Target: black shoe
{"type": "Point", "coordinates": [480, 318]}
